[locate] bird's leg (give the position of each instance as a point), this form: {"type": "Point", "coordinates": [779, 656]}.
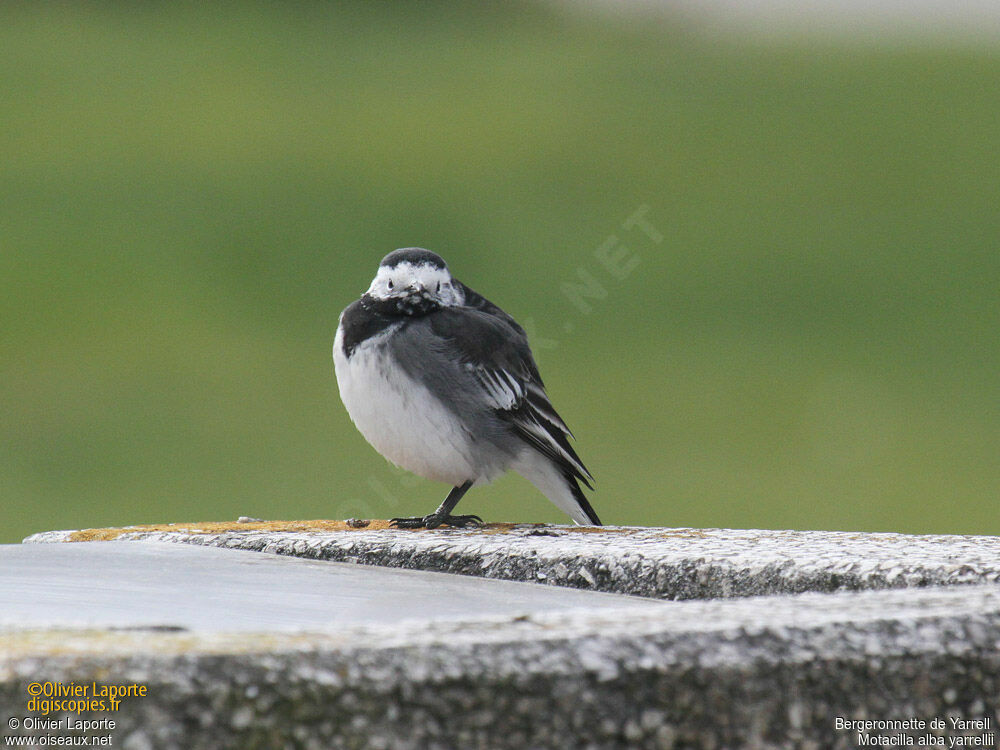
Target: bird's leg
{"type": "Point", "coordinates": [442, 515]}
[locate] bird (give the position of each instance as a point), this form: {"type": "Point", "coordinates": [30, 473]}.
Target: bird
{"type": "Point", "coordinates": [442, 383]}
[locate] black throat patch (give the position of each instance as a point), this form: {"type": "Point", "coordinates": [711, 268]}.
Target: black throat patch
{"type": "Point", "coordinates": [369, 316]}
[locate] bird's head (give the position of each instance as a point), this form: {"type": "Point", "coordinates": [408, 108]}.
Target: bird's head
{"type": "Point", "coordinates": [414, 281]}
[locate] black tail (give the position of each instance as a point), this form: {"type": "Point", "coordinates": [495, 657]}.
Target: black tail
{"type": "Point", "coordinates": [580, 498]}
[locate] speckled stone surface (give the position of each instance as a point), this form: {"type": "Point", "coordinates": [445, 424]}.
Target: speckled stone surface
{"type": "Point", "coordinates": [652, 562]}
{"type": "Point", "coordinates": [772, 672]}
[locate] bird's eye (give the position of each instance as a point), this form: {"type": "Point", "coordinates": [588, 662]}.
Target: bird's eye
{"type": "Point", "coordinates": [390, 284]}
{"type": "Point", "coordinates": [439, 286]}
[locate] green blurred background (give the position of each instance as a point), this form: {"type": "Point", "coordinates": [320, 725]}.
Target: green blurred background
{"type": "Point", "coordinates": [191, 193]}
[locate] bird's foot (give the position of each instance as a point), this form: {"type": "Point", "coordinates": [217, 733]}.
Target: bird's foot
{"type": "Point", "coordinates": [433, 520]}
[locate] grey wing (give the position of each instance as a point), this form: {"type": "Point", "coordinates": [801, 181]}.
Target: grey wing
{"type": "Point", "coordinates": [495, 356]}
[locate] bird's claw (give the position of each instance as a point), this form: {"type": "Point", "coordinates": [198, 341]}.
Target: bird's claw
{"type": "Point", "coordinates": [433, 521]}
{"type": "Point", "coordinates": [458, 522]}
{"type": "Point", "coordinates": [407, 523]}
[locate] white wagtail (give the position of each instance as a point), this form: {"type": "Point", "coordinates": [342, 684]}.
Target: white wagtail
{"type": "Point", "coordinates": [442, 383]}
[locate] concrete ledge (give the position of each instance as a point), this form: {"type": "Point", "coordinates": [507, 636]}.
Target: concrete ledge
{"type": "Point", "coordinates": [650, 562]}
{"type": "Point", "coordinates": [727, 668]}
{"type": "Point", "coordinates": [753, 673]}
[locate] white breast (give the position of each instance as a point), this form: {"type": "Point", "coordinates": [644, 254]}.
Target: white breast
{"type": "Point", "coordinates": [399, 416]}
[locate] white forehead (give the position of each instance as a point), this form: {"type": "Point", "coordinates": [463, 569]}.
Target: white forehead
{"type": "Point", "coordinates": [405, 273]}
{"type": "Point", "coordinates": [436, 280]}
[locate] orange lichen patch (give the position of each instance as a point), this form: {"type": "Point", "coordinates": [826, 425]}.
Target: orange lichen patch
{"type": "Point", "coordinates": [683, 534]}
{"type": "Point", "coordinates": [377, 524]}
{"type": "Point", "coordinates": [218, 527]}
